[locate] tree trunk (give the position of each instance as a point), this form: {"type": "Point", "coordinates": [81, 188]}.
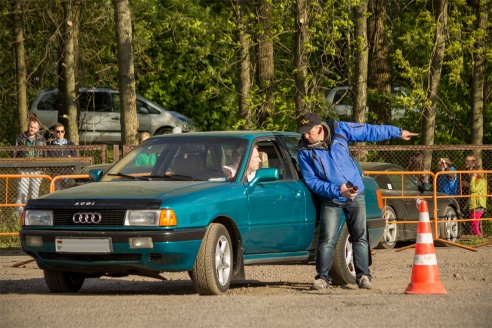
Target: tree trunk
{"type": "Point", "coordinates": [478, 78]}
{"type": "Point", "coordinates": [379, 81]}
{"type": "Point", "coordinates": [361, 62]}
{"type": "Point", "coordinates": [429, 126]}
{"type": "Point", "coordinates": [243, 67]}
{"type": "Point", "coordinates": [265, 63]}
{"type": "Point", "coordinates": [72, 19]}
{"type": "Point", "coordinates": [126, 74]}
{"type": "Point", "coordinates": [435, 72]}
{"type": "Point", "coordinates": [20, 63]}
{"type": "Point", "coordinates": [301, 58]}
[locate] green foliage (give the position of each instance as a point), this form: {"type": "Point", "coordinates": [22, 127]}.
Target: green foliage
{"type": "Point", "coordinates": [185, 54]}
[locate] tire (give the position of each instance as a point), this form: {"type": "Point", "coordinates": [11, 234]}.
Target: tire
{"type": "Point", "coordinates": [390, 236]}
{"type": "Point", "coordinates": [449, 229]}
{"type": "Point", "coordinates": [212, 272]}
{"type": "Point", "coordinates": [342, 270]}
{"type": "Point", "coordinates": [63, 282]}
{"type": "Point", "coordinates": [164, 130]}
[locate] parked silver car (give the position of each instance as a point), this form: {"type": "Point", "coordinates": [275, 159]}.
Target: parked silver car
{"type": "Point", "coordinates": [341, 99]}
{"type": "Point", "coordinates": [99, 116]}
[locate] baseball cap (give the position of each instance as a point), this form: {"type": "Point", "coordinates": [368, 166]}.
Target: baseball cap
{"type": "Point", "coordinates": [307, 122]}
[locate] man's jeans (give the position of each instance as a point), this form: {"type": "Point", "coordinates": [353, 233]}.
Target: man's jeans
{"type": "Point", "coordinates": [355, 213]}
{"type": "Point", "coordinates": [28, 183]}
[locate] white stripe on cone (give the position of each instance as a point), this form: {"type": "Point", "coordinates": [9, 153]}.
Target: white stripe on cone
{"type": "Point", "coordinates": [425, 259]}
{"type": "Point", "coordinates": [425, 238]}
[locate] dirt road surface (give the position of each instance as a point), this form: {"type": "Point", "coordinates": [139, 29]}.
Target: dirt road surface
{"type": "Point", "coordinates": [272, 296]}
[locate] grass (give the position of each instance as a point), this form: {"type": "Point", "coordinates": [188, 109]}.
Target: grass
{"type": "Point", "coordinates": [9, 222]}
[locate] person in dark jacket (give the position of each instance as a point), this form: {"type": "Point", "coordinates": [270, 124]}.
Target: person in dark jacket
{"type": "Point", "coordinates": [61, 141]}
{"type": "Point", "coordinates": [33, 138]}
{"type": "Point", "coordinates": [329, 171]}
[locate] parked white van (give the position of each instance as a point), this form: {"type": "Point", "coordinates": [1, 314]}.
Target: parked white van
{"type": "Point", "coordinates": [99, 117]}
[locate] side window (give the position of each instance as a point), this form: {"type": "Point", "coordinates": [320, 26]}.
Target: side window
{"type": "Point", "coordinates": [271, 157]}
{"type": "Point", "coordinates": [150, 108]}
{"type": "Point", "coordinates": [102, 102]}
{"type": "Point", "coordinates": [140, 104]}
{"type": "Point", "coordinates": [48, 102]}
{"type": "Point", "coordinates": [343, 97]}
{"type": "Point", "coordinates": [116, 102]}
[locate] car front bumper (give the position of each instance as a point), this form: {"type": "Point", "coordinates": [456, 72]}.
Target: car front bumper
{"type": "Point", "coordinates": [170, 251]}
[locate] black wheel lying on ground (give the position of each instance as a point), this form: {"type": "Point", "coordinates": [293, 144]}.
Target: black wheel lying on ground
{"type": "Point", "coordinates": [63, 282]}
{"type": "Point", "coordinates": [212, 272]}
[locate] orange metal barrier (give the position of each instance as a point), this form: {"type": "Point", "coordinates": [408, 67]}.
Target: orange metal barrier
{"type": "Point", "coordinates": [9, 177]}
{"type": "Point", "coordinates": [433, 216]}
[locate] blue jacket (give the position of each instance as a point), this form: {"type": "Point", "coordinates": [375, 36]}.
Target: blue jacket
{"type": "Point", "coordinates": [448, 185]}
{"type": "Point", "coordinates": [327, 166]}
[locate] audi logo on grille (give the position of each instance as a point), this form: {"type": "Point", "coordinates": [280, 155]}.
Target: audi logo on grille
{"type": "Point", "coordinates": [87, 218]}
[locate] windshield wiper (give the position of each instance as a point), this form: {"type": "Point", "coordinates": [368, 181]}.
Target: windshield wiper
{"type": "Point", "coordinates": [127, 176]}
{"type": "Point", "coordinates": [174, 177]}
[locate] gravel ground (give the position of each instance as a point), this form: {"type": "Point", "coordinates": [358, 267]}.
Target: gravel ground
{"type": "Point", "coordinates": [272, 295]}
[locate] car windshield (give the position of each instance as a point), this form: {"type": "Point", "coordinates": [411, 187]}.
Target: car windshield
{"type": "Point", "coordinates": [181, 158]}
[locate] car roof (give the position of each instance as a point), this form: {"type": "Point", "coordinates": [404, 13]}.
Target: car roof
{"type": "Point", "coordinates": [380, 166]}
{"type": "Point", "coordinates": [234, 134]}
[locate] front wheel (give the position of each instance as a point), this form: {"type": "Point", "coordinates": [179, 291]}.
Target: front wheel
{"type": "Point", "coordinates": [63, 282]}
{"type": "Point", "coordinates": [388, 241]}
{"type": "Point", "coordinates": [449, 228]}
{"type": "Point", "coordinates": [343, 270]}
{"type": "Point", "coordinates": [212, 272]}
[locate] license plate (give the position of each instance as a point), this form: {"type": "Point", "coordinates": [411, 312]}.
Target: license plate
{"type": "Point", "coordinates": [83, 245]}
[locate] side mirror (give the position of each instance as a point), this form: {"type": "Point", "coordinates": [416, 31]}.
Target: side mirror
{"type": "Point", "coordinates": [95, 175]}
{"type": "Point", "coordinates": [264, 175]}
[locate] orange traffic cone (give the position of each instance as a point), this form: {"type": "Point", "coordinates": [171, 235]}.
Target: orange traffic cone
{"type": "Point", "coordinates": [425, 273]}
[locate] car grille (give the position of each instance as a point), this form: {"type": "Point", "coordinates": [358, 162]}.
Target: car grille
{"type": "Point", "coordinates": [113, 218]}
{"type": "Point", "coordinates": [91, 257]}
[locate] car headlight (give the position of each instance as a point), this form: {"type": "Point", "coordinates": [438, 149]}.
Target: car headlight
{"type": "Point", "coordinates": [162, 218]}
{"type": "Point", "coordinates": [37, 218]}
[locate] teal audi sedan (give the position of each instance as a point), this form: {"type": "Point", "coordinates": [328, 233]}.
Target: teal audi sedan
{"type": "Point", "coordinates": [208, 203]}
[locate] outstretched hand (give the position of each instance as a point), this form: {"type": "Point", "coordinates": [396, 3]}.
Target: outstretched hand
{"type": "Point", "coordinates": [406, 135]}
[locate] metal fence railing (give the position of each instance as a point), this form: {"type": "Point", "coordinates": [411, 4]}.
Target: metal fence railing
{"type": "Point", "coordinates": [97, 154]}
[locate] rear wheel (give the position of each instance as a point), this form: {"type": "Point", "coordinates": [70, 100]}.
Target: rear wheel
{"type": "Point", "coordinates": [212, 272]}
{"type": "Point", "coordinates": [343, 270]}
{"type": "Point", "coordinates": [449, 228]}
{"type": "Point", "coordinates": [388, 241]}
{"type": "Point", "coordinates": [63, 282]}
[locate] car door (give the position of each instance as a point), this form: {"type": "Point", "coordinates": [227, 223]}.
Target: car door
{"type": "Point", "coordinates": [276, 208]}
{"type": "Point", "coordinates": [99, 123]}
{"type": "Point", "coordinates": [411, 192]}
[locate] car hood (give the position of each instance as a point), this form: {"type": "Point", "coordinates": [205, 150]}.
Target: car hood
{"type": "Point", "coordinates": [137, 190]}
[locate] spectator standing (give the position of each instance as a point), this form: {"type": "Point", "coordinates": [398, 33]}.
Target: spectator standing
{"type": "Point", "coordinates": [30, 138]}
{"type": "Point", "coordinates": [416, 163]}
{"type": "Point", "coordinates": [447, 183]}
{"type": "Point", "coordinates": [470, 162]}
{"type": "Point", "coordinates": [60, 140]}
{"type": "Point", "coordinates": [329, 170]}
{"type": "Point", "coordinates": [478, 199]}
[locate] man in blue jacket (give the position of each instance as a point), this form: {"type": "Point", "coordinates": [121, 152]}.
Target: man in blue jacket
{"type": "Point", "coordinates": [330, 171]}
